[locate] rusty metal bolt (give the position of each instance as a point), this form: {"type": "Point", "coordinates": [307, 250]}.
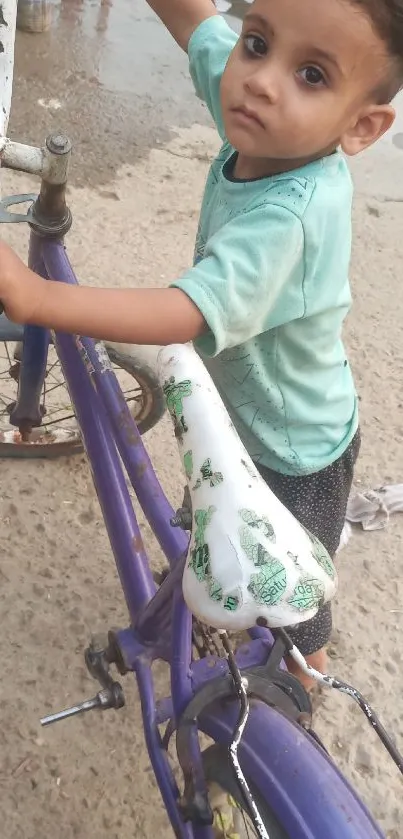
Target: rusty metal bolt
{"type": "Point", "coordinates": [58, 144]}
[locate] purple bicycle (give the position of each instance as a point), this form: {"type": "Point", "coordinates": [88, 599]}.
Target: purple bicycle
{"type": "Point", "coordinates": [265, 773]}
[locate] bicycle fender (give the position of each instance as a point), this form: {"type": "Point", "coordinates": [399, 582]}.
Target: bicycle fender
{"type": "Point", "coordinates": [308, 794]}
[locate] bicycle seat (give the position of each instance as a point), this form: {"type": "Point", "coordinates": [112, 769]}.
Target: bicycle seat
{"type": "Point", "coordinates": [249, 558]}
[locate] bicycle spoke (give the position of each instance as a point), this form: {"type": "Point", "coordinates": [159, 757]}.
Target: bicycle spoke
{"type": "Point", "coordinates": [8, 354]}
{"type": "Point", "coordinates": [52, 367]}
{"type": "Point", "coordinates": [133, 399]}
{"type": "Point", "coordinates": [58, 421]}
{"type": "Point", "coordinates": [5, 402]}
{"type": "Point", "coordinates": [232, 822]}
{"type": "Point", "coordinates": [54, 379]}
{"type": "Point", "coordinates": [59, 410]}
{"type": "Point", "coordinates": [133, 390]}
{"type": "Point", "coordinates": [53, 388]}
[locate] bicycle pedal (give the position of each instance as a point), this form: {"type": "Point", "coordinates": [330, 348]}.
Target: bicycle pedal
{"type": "Point", "coordinates": [106, 698]}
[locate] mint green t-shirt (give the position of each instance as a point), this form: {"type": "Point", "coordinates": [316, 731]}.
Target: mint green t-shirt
{"type": "Point", "coordinates": [271, 279]}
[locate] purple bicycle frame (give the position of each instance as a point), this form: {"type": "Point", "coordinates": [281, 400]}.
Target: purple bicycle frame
{"type": "Point", "coordinates": [306, 792]}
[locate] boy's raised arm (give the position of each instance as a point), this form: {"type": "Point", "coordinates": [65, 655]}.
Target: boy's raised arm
{"type": "Point", "coordinates": [182, 17]}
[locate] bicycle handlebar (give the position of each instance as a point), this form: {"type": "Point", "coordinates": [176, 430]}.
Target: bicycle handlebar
{"type": "Point", "coordinates": [50, 163]}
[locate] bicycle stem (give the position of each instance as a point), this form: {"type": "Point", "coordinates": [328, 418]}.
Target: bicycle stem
{"type": "Point", "coordinates": [46, 163]}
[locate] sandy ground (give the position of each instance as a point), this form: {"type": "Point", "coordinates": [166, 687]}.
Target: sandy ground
{"type": "Point", "coordinates": [90, 778]}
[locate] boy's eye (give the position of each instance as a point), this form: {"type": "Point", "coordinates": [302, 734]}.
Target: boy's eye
{"type": "Point", "coordinates": [255, 45]}
{"type": "Point", "coordinates": [312, 76]}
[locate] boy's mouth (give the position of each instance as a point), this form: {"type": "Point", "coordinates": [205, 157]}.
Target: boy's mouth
{"type": "Point", "coordinates": [247, 117]}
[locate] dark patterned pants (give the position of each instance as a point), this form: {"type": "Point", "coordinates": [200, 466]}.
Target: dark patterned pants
{"type": "Point", "coordinates": [319, 502]}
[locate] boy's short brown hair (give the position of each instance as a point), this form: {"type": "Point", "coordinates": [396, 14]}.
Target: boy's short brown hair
{"type": "Point", "coordinates": [387, 18]}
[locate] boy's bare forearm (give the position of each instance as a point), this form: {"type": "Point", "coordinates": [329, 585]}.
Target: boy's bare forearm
{"type": "Point", "coordinates": [182, 17]}
{"type": "Point", "coordinates": [138, 316]}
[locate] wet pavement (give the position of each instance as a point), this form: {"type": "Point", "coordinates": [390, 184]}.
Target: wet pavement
{"type": "Point", "coordinates": [110, 76]}
{"type": "Point", "coordinates": [118, 82]}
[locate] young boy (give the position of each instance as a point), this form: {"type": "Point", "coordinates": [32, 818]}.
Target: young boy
{"type": "Point", "coordinates": [267, 295]}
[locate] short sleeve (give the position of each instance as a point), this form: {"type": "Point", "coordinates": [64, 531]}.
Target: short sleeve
{"type": "Point", "coordinates": [209, 49]}
{"type": "Point", "coordinates": [251, 278]}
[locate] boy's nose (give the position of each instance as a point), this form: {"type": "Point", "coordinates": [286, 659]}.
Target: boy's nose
{"type": "Point", "coordinates": [263, 82]}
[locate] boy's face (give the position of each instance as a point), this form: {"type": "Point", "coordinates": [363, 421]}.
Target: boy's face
{"type": "Point", "coordinates": [301, 81]}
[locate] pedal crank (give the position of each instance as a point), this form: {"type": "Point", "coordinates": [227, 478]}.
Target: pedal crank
{"type": "Point", "coordinates": [98, 658]}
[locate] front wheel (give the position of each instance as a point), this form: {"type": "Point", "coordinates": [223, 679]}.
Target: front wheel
{"type": "Point", "coordinates": [59, 434]}
{"type": "Point", "coordinates": [232, 819]}
{"type": "Point", "coordinates": [146, 399]}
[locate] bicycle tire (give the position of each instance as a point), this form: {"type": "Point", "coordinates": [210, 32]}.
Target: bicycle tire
{"type": "Point", "coordinates": [139, 365]}
{"type": "Point", "coordinates": [218, 771]}
{"type": "Point", "coordinates": [45, 451]}
{"type": "Point", "coordinates": [291, 771]}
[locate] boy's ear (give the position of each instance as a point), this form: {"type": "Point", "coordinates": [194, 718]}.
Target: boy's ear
{"type": "Point", "coordinates": [368, 128]}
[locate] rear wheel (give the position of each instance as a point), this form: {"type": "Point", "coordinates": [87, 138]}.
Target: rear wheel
{"type": "Point", "coordinates": [232, 819]}
{"type": "Point", "coordinates": [59, 433]}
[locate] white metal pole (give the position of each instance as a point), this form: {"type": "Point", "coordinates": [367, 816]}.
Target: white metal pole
{"type": "Point", "coordinates": [47, 162]}
{"type": "Point", "coordinates": [8, 15]}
